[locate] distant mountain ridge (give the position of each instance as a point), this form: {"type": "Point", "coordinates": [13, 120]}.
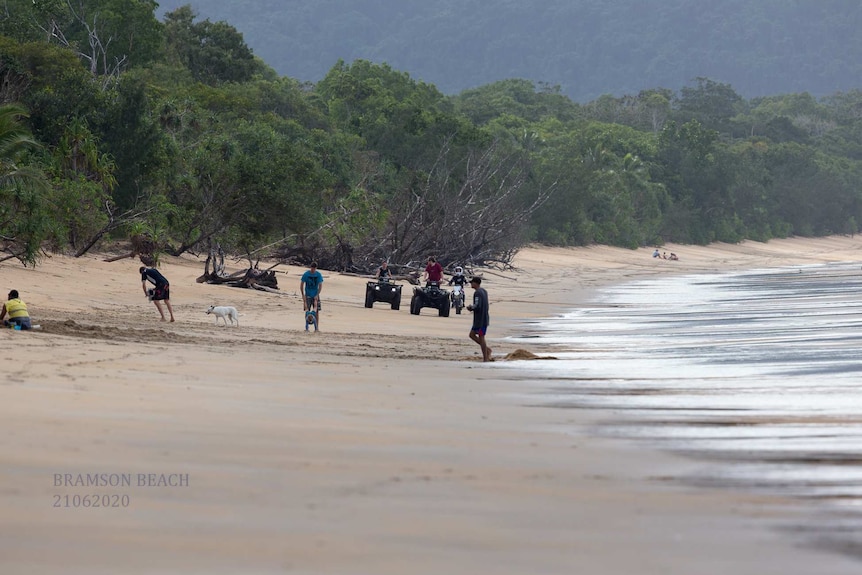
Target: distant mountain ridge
{"type": "Point", "coordinates": [587, 47]}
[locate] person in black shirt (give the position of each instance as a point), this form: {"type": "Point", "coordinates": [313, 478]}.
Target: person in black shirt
{"type": "Point", "coordinates": [458, 278]}
{"type": "Point", "coordinates": [161, 291]}
{"type": "Point", "coordinates": [481, 318]}
{"type": "Point", "coordinates": [383, 272]}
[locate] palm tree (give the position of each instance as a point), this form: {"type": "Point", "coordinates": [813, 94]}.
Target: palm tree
{"type": "Point", "coordinates": [22, 188]}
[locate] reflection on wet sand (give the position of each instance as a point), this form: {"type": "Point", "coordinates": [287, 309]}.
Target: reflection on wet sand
{"type": "Point", "coordinates": [756, 374]}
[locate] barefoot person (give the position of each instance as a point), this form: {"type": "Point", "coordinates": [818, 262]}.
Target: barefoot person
{"type": "Point", "coordinates": [481, 318]}
{"type": "Point", "coordinates": [161, 291]}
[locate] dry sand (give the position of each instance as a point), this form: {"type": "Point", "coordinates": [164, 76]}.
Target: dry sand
{"type": "Point", "coordinates": [380, 445]}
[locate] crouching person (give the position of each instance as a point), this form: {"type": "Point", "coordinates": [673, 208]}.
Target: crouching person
{"type": "Point", "coordinates": [16, 310]}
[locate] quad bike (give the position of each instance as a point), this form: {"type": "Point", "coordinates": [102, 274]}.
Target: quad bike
{"type": "Point", "coordinates": [458, 298]}
{"type": "Point", "coordinates": [430, 296]}
{"type": "Point", "coordinates": [383, 290]}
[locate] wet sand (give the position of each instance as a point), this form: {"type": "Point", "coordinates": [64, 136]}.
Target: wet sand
{"type": "Point", "coordinates": [753, 374]}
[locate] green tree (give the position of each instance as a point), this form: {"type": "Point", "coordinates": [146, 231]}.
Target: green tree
{"type": "Point", "coordinates": [214, 52]}
{"type": "Point", "coordinates": [712, 104]}
{"type": "Point", "coordinates": [518, 98]}
{"type": "Point", "coordinates": [108, 35]}
{"type": "Point", "coordinates": [23, 221]}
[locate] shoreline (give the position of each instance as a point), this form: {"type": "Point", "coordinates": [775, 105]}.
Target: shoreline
{"type": "Point", "coordinates": [351, 451]}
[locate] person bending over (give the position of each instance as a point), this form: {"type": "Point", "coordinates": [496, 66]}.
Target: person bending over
{"type": "Point", "coordinates": [161, 292]}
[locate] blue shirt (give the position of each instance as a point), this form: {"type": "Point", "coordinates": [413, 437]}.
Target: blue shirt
{"type": "Point", "coordinates": [312, 282]}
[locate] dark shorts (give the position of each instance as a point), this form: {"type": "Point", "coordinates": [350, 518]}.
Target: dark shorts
{"type": "Point", "coordinates": [309, 303]}
{"type": "Point", "coordinates": [162, 292]}
{"type": "Point", "coordinates": [24, 322]}
{"type": "Point", "coordinates": [480, 330]}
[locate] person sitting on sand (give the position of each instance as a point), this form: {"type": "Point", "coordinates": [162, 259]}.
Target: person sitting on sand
{"type": "Point", "coordinates": [672, 256]}
{"type": "Point", "coordinates": [17, 311]}
{"type": "Point", "coordinates": [655, 254]}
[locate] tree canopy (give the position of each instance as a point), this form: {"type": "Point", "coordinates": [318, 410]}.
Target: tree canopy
{"type": "Point", "coordinates": [183, 135]}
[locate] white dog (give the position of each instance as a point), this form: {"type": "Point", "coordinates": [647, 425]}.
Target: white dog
{"type": "Point", "coordinates": [224, 312]}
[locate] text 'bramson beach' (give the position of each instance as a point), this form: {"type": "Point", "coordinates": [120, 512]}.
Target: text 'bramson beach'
{"type": "Point", "coordinates": [121, 479]}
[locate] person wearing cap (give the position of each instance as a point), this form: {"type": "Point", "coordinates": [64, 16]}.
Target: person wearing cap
{"type": "Point", "coordinates": [161, 291]}
{"type": "Point", "coordinates": [17, 312]}
{"type": "Point", "coordinates": [481, 318]}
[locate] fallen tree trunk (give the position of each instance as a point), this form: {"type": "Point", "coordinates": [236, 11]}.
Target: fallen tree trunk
{"type": "Point", "coordinates": [263, 280]}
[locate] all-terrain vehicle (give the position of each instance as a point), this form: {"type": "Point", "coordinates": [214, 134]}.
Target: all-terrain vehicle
{"type": "Point", "coordinates": [383, 290]}
{"type": "Point", "coordinates": [430, 296]}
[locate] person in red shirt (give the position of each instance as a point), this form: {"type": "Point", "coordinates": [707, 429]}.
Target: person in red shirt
{"type": "Point", "coordinates": [433, 271]}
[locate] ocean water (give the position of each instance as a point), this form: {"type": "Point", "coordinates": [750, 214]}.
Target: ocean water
{"type": "Point", "coordinates": [758, 374]}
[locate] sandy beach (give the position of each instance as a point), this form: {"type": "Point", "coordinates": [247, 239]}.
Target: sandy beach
{"type": "Point", "coordinates": [381, 445]}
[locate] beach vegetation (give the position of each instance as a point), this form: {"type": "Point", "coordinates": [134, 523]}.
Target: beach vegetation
{"type": "Point", "coordinates": [177, 128]}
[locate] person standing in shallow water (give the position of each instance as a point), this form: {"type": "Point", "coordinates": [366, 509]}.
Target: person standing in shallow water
{"type": "Point", "coordinates": [161, 291]}
{"type": "Point", "coordinates": [481, 317]}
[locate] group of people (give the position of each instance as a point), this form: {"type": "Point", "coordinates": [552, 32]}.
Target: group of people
{"type": "Point", "coordinates": [481, 318]}
{"type": "Point", "coordinates": [310, 287]}
{"type": "Point", "coordinates": [664, 255]}
{"type": "Point", "coordinates": [14, 311]}
{"type": "Point", "coordinates": [479, 307]}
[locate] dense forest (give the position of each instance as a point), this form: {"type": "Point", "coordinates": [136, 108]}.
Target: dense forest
{"type": "Point", "coordinates": [588, 47]}
{"type": "Point", "coordinates": [173, 134]}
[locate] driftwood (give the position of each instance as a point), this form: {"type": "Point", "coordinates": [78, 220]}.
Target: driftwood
{"type": "Point", "coordinates": [263, 280]}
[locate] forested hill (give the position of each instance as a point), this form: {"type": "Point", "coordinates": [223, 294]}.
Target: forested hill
{"type": "Point", "coordinates": [587, 47]}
